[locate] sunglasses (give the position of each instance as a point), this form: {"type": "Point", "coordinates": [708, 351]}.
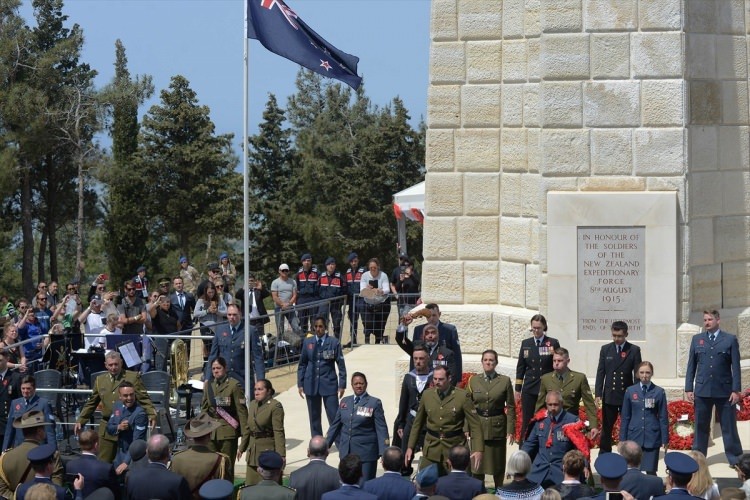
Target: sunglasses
{"type": "Point", "coordinates": [41, 299]}
{"type": "Point", "coordinates": [285, 270]}
{"type": "Point", "coordinates": [42, 286]}
{"type": "Point", "coordinates": [219, 286]}
{"type": "Point", "coordinates": [129, 289]}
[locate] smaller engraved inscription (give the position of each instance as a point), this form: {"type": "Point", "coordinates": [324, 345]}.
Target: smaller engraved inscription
{"type": "Point", "coordinates": [611, 281]}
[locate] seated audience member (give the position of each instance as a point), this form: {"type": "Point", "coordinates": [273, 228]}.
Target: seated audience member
{"type": "Point", "coordinates": [573, 465]}
{"type": "Point", "coordinates": [270, 467]}
{"type": "Point", "coordinates": [680, 470]}
{"type": "Point", "coordinates": [611, 468]}
{"type": "Point", "coordinates": [391, 486]}
{"type": "Point", "coordinates": [642, 486]}
{"type": "Point", "coordinates": [519, 488]}
{"type": "Point", "coordinates": [458, 485]}
{"type": "Point", "coordinates": [317, 477]}
{"type": "Point", "coordinates": [426, 481]}
{"type": "Point", "coordinates": [98, 474]}
{"type": "Point", "coordinates": [350, 472]}
{"type": "Point", "coordinates": [702, 485]}
{"type": "Point", "coordinates": [743, 472]}
{"type": "Point", "coordinates": [551, 494]}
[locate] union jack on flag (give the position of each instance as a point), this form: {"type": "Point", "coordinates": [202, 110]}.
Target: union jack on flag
{"type": "Point", "coordinates": [279, 29]}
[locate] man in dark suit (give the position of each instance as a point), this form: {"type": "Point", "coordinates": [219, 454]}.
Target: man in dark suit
{"type": "Point", "coordinates": [458, 485]}
{"type": "Point", "coordinates": [438, 355]}
{"type": "Point", "coordinates": [350, 472]}
{"type": "Point", "coordinates": [27, 402]}
{"type": "Point", "coordinates": [534, 360]}
{"type": "Point", "coordinates": [155, 481]}
{"type": "Point", "coordinates": [713, 379]}
{"type": "Point", "coordinates": [391, 486]}
{"type": "Point", "coordinates": [316, 375]}
{"type": "Point", "coordinates": [641, 486]}
{"type": "Point", "coordinates": [183, 303]}
{"type": "Point", "coordinates": [447, 337]}
{"type": "Point", "coordinates": [618, 362]}
{"type": "Point", "coordinates": [317, 477]}
{"type": "Point", "coordinates": [98, 474]}
{"type": "Point", "coordinates": [229, 343]}
{"type": "Point", "coordinates": [42, 460]}
{"type": "Point", "coordinates": [258, 314]}
{"type": "Point", "coordinates": [10, 388]}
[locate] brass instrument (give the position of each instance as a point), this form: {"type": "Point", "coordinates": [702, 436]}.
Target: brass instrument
{"type": "Point", "coordinates": [178, 363]}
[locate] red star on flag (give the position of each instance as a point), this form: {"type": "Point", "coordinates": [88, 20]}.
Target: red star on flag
{"type": "Point", "coordinates": [325, 64]}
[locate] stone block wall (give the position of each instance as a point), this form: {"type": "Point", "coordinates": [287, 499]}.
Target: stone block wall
{"type": "Point", "coordinates": [532, 96]}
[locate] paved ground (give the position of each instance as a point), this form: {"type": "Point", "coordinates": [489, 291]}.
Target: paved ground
{"type": "Point", "coordinates": [378, 363]}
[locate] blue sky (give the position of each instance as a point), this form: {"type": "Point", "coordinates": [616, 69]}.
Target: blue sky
{"type": "Point", "coordinates": [203, 41]}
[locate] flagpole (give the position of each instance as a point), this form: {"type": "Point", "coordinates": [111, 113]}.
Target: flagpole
{"type": "Point", "coordinates": [245, 214]}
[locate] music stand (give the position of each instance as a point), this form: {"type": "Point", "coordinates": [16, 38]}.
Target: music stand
{"type": "Point", "coordinates": [120, 343]}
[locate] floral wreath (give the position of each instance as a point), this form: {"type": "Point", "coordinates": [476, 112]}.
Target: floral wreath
{"type": "Point", "coordinates": [744, 412]}
{"type": "Point", "coordinates": [681, 432]}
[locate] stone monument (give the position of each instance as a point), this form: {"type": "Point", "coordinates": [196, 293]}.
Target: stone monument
{"type": "Point", "coordinates": [589, 160]}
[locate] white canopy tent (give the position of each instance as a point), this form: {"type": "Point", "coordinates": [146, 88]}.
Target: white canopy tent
{"type": "Point", "coordinates": [408, 204]}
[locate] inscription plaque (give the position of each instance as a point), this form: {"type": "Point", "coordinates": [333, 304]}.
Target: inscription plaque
{"type": "Point", "coordinates": [611, 281]}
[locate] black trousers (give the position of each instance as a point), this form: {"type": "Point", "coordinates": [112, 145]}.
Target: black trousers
{"type": "Point", "coordinates": [528, 404]}
{"type": "Point", "coordinates": [609, 417]}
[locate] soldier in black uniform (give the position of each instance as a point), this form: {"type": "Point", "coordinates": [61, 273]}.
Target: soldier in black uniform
{"type": "Point", "coordinates": [618, 362]}
{"type": "Point", "coordinates": [414, 384]}
{"type": "Point", "coordinates": [10, 389]}
{"type": "Point", "coordinates": [534, 360]}
{"type": "Point", "coordinates": [438, 355]}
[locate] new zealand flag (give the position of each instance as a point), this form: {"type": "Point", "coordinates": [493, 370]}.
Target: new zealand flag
{"type": "Point", "coordinates": [282, 32]}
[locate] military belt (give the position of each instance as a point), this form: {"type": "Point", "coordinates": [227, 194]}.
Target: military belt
{"type": "Point", "coordinates": [265, 434]}
{"type": "Point", "coordinates": [490, 413]}
{"type": "Point", "coordinates": [443, 435]}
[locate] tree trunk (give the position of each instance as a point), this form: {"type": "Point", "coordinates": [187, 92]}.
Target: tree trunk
{"type": "Point", "coordinates": [27, 235]}
{"type": "Point", "coordinates": [54, 274]}
{"type": "Point", "coordinates": [41, 274]}
{"type": "Point", "coordinates": [79, 223]}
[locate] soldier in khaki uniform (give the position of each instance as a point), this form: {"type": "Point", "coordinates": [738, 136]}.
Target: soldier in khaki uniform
{"type": "Point", "coordinates": [105, 391]}
{"type": "Point", "coordinates": [572, 385]}
{"type": "Point", "coordinates": [224, 400]}
{"type": "Point", "coordinates": [15, 468]}
{"type": "Point", "coordinates": [443, 412]}
{"type": "Point", "coordinates": [198, 464]}
{"type": "Point", "coordinates": [270, 466]}
{"type": "Point", "coordinates": [265, 429]}
{"type": "Point", "coordinates": [492, 394]}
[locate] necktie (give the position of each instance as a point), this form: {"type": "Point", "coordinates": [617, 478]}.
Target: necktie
{"type": "Point", "coordinates": [539, 342]}
{"type": "Point", "coordinates": [27, 402]}
{"type": "Point", "coordinates": [552, 424]}
{"type": "Point", "coordinates": [356, 400]}
{"type": "Point", "coordinates": [645, 387]}
{"type": "Point", "coordinates": [712, 337]}
{"type": "Point", "coordinates": [560, 377]}
{"type": "Point", "coordinates": [320, 343]}
{"type": "Point", "coordinates": [619, 349]}
{"type": "Point", "coordinates": [231, 329]}
{"type": "Point", "coordinates": [182, 301]}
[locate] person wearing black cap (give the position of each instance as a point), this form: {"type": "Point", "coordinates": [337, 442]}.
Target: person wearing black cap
{"type": "Point", "coordinates": [611, 468]}
{"type": "Point", "coordinates": [680, 470]}
{"type": "Point", "coordinates": [307, 291]}
{"type": "Point", "coordinates": [198, 464]}
{"type": "Point", "coordinates": [270, 466]}
{"type": "Point", "coordinates": [350, 473]}
{"type": "Point", "coordinates": [41, 459]}
{"type": "Point", "coordinates": [15, 468]}
{"type": "Point", "coordinates": [332, 287]}
{"type": "Point", "coordinates": [354, 302]}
